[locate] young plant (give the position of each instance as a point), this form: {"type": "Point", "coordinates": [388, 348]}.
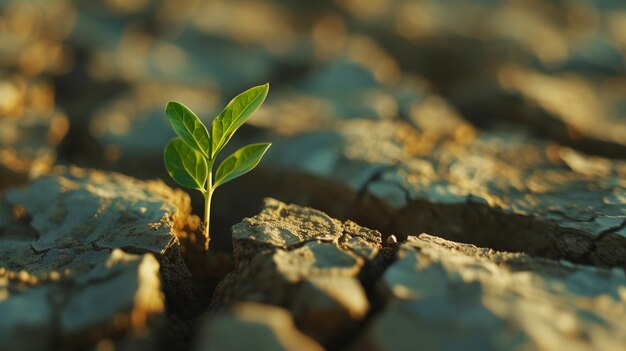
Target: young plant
{"type": "Point", "coordinates": [189, 158]}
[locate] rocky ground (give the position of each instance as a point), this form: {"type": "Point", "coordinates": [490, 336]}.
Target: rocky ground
{"type": "Point", "coordinates": [344, 288]}
{"type": "Point", "coordinates": [443, 175]}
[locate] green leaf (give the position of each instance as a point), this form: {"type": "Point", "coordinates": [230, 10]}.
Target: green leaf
{"type": "Point", "coordinates": [241, 162]}
{"type": "Point", "coordinates": [188, 127]}
{"type": "Point", "coordinates": [185, 165]}
{"type": "Point", "coordinates": [234, 115]}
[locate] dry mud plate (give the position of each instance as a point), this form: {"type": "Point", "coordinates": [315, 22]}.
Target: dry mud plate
{"type": "Point", "coordinates": [85, 255]}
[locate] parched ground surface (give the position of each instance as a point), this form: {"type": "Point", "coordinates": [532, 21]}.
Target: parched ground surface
{"type": "Point", "coordinates": [501, 190]}
{"type": "Point", "coordinates": [86, 255]}
{"type": "Point", "coordinates": [343, 288]}
{"type": "Point", "coordinates": [483, 143]}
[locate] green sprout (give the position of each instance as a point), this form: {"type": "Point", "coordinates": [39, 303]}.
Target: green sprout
{"type": "Point", "coordinates": [189, 158]}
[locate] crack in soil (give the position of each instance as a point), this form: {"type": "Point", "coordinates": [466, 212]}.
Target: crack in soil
{"type": "Point", "coordinates": [471, 222]}
{"type": "Point", "coordinates": [611, 230]}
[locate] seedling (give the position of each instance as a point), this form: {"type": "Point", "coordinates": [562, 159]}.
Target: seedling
{"type": "Point", "coordinates": [189, 158]}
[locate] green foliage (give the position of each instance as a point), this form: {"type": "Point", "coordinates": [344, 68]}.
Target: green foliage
{"type": "Point", "coordinates": [188, 127]}
{"type": "Point", "coordinates": [236, 113]}
{"type": "Point", "coordinates": [240, 162]}
{"type": "Point", "coordinates": [189, 158]}
{"type": "Point", "coordinates": [185, 165]}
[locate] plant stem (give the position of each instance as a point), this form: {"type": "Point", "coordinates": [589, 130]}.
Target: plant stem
{"type": "Point", "coordinates": [207, 211]}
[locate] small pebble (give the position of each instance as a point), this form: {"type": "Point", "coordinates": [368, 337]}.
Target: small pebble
{"type": "Point", "coordinates": [391, 240]}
